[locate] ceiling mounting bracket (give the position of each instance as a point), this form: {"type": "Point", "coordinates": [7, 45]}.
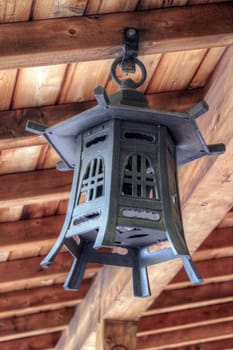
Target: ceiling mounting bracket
{"type": "Point", "coordinates": [130, 54]}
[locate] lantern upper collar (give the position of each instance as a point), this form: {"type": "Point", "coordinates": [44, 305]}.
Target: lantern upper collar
{"type": "Point", "coordinates": [130, 105]}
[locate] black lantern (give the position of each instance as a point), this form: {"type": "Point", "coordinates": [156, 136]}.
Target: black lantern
{"type": "Point", "coordinates": [124, 191]}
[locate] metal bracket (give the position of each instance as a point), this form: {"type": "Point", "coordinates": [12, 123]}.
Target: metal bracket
{"type": "Point", "coordinates": [128, 62]}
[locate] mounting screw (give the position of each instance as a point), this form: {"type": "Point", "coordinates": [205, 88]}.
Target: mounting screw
{"type": "Point", "coordinates": [131, 32]}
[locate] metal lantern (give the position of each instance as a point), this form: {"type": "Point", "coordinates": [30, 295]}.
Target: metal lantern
{"type": "Point", "coordinates": [125, 191]}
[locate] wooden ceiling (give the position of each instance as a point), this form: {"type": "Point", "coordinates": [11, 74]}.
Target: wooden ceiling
{"type": "Point", "coordinates": [52, 56]}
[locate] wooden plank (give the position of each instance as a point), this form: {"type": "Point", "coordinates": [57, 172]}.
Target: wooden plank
{"type": "Point", "coordinates": [15, 10]}
{"type": "Point", "coordinates": [7, 84]}
{"type": "Point", "coordinates": [27, 273]}
{"type": "Point", "coordinates": [105, 6]}
{"type": "Point", "coordinates": [192, 297]}
{"type": "Point", "coordinates": [44, 209]}
{"type": "Point", "coordinates": [218, 244]}
{"type": "Point", "coordinates": [47, 341]}
{"type": "Point", "coordinates": [47, 298]}
{"type": "Point", "coordinates": [11, 159]}
{"type": "Point", "coordinates": [38, 86]}
{"type": "Point", "coordinates": [197, 2]}
{"type": "Point", "coordinates": [12, 123]}
{"type": "Point", "coordinates": [168, 77]}
{"type": "Point", "coordinates": [33, 211]}
{"type": "Point", "coordinates": [48, 158]}
{"type": "Point", "coordinates": [113, 334]}
{"type": "Point", "coordinates": [35, 158]}
{"type": "Point", "coordinates": [34, 187]}
{"type": "Point", "coordinates": [171, 321]}
{"type": "Point", "coordinates": [11, 214]}
{"type": "Point", "coordinates": [211, 270]}
{"type": "Point", "coordinates": [81, 80]}
{"type": "Point", "coordinates": [151, 4]}
{"type": "Point", "coordinates": [212, 345]}
{"type": "Point", "coordinates": [187, 337]}
{"type": "Point", "coordinates": [112, 290]}
{"type": "Point", "coordinates": [70, 40]}
{"type": "Point", "coordinates": [61, 8]}
{"type": "Point", "coordinates": [35, 324]}
{"type": "Point", "coordinates": [207, 67]}
{"type": "Point", "coordinates": [27, 238]}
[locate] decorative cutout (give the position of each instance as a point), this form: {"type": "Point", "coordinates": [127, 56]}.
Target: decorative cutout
{"type": "Point", "coordinates": [139, 178]}
{"type": "Point", "coordinates": [138, 236]}
{"type": "Point", "coordinates": [139, 136]}
{"type": "Point", "coordinates": [93, 181]}
{"type": "Point", "coordinates": [124, 229]}
{"type": "Point", "coordinates": [96, 140]}
{"type": "Point", "coordinates": [141, 214]}
{"type": "Point", "coordinates": [87, 217]}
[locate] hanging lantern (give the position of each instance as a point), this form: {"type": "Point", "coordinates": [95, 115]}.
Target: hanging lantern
{"type": "Point", "coordinates": [125, 191]}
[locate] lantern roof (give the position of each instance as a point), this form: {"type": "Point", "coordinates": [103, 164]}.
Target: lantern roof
{"type": "Point", "coordinates": [129, 104]}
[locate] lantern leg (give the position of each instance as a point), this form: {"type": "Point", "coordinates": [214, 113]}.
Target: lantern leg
{"type": "Point", "coordinates": [72, 246]}
{"type": "Point", "coordinates": [62, 236]}
{"type": "Point", "coordinates": [140, 281]}
{"type": "Point", "coordinates": [75, 276]}
{"type": "Point", "coordinates": [68, 242]}
{"type": "Point", "coordinates": [190, 269]}
{"type": "Point", "coordinates": [54, 251]}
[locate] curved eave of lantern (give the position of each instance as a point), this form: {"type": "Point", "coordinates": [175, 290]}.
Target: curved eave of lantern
{"type": "Point", "coordinates": [129, 105]}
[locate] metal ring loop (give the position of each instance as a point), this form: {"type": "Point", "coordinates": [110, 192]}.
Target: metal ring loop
{"type": "Point", "coordinates": [119, 82]}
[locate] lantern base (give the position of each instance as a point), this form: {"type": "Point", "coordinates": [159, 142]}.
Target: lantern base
{"type": "Point", "coordinates": [136, 258]}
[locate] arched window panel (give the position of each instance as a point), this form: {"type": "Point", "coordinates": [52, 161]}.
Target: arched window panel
{"type": "Point", "coordinates": [93, 181]}
{"type": "Point", "coordinates": [139, 178]}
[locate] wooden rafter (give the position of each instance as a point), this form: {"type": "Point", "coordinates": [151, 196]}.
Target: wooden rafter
{"type": "Point", "coordinates": [205, 183]}
{"type": "Point", "coordinates": [46, 341]}
{"type": "Point", "coordinates": [34, 187]}
{"type": "Point", "coordinates": [181, 319]}
{"type": "Point", "coordinates": [47, 298]}
{"type": "Point", "coordinates": [35, 324]}
{"type": "Point", "coordinates": [203, 333]}
{"type": "Point", "coordinates": [68, 40]}
{"type": "Point", "coordinates": [189, 298]}
{"type": "Point", "coordinates": [19, 274]}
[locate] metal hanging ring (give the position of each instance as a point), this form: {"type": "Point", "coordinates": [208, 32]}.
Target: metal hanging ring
{"type": "Point", "coordinates": [133, 84]}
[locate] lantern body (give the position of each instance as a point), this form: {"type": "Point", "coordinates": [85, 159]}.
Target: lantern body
{"type": "Point", "coordinates": [125, 191]}
{"type": "Point", "coordinates": [126, 187]}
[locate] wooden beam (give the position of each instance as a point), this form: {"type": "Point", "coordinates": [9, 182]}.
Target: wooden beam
{"type": "Point", "coordinates": [186, 337]}
{"type": "Point", "coordinates": [181, 319]}
{"type": "Point", "coordinates": [81, 39]}
{"type": "Point", "coordinates": [27, 273]}
{"type": "Point", "coordinates": [34, 187]}
{"type": "Point", "coordinates": [35, 324]}
{"type": "Point", "coordinates": [47, 341]}
{"type": "Point", "coordinates": [47, 298]}
{"type": "Point", "coordinates": [12, 123]}
{"type": "Point", "coordinates": [113, 334]}
{"type": "Point", "coordinates": [192, 297]}
{"type": "Point", "coordinates": [210, 196]}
